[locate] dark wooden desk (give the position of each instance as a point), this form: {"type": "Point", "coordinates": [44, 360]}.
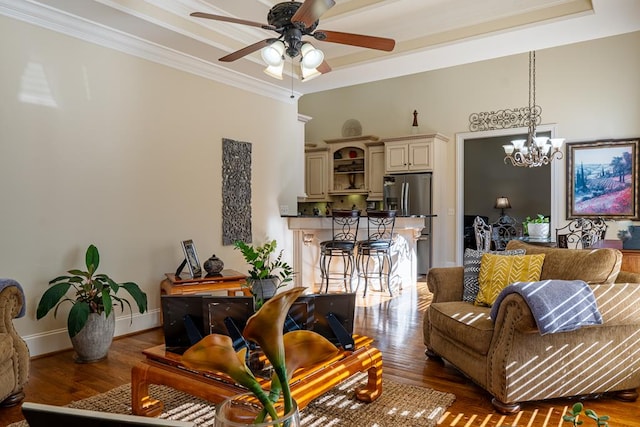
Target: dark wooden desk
{"type": "Point", "coordinates": [230, 281]}
{"type": "Point", "coordinates": [630, 257]}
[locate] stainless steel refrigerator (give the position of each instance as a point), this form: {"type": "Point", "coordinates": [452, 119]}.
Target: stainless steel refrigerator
{"type": "Point", "coordinates": [410, 194]}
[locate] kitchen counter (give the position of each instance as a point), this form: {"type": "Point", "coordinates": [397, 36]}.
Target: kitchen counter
{"type": "Point", "coordinates": [309, 231]}
{"type": "Point", "coordinates": [362, 216]}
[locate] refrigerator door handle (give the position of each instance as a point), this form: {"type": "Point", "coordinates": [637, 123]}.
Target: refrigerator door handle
{"type": "Point", "coordinates": [405, 200]}
{"type": "Point", "coordinates": [402, 196]}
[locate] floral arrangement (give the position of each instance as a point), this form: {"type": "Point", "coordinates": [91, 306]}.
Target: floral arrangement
{"type": "Point", "coordinates": [286, 352]}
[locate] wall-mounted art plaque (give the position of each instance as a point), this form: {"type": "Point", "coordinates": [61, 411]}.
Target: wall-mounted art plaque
{"type": "Point", "coordinates": [236, 191]}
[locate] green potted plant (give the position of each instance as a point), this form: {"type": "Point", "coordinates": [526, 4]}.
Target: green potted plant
{"type": "Point", "coordinates": [91, 322]}
{"type": "Point", "coordinates": [573, 416]}
{"type": "Point", "coordinates": [537, 228]}
{"type": "Point", "coordinates": [266, 274]}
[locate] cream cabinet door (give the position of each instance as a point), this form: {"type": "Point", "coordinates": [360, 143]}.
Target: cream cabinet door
{"type": "Point", "coordinates": [375, 169]}
{"type": "Point", "coordinates": [420, 156]}
{"type": "Point", "coordinates": [396, 157]}
{"type": "Point", "coordinates": [316, 175]}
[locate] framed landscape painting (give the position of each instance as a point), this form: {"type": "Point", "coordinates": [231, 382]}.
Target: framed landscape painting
{"type": "Point", "coordinates": [602, 179]}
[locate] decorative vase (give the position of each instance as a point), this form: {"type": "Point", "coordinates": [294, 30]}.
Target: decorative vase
{"type": "Point", "coordinates": [538, 231]}
{"type": "Point", "coordinates": [264, 289]}
{"type": "Point", "coordinates": [93, 341]}
{"type": "Point", "coordinates": [213, 265]}
{"type": "Point", "coordinates": [241, 411]}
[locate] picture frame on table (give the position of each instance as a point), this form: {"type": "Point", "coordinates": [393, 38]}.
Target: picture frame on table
{"type": "Point", "coordinates": [602, 179]}
{"type": "Point", "coordinates": [191, 258]}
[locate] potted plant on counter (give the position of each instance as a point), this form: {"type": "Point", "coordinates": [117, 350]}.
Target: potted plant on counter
{"type": "Point", "coordinates": [91, 321]}
{"type": "Point", "coordinates": [266, 274]}
{"type": "Point", "coordinates": [536, 228]}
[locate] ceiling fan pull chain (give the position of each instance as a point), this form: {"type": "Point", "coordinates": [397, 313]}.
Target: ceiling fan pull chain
{"type": "Point", "coordinates": [292, 80]}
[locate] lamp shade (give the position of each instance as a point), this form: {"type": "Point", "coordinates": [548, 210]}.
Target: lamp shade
{"type": "Point", "coordinates": [311, 57]}
{"type": "Point", "coordinates": [275, 70]}
{"type": "Point", "coordinates": [502, 203]}
{"type": "Point", "coordinates": [309, 73]}
{"type": "Point", "coordinates": [272, 54]}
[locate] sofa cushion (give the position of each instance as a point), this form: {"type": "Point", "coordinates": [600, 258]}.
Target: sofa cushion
{"type": "Point", "coordinates": [591, 265]}
{"type": "Point", "coordinates": [498, 271]}
{"type": "Point", "coordinates": [472, 258]}
{"type": "Point", "coordinates": [463, 322]}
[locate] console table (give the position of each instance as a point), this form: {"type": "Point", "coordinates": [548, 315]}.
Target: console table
{"type": "Point", "coordinates": [230, 281]}
{"type": "Point", "coordinates": [165, 368]}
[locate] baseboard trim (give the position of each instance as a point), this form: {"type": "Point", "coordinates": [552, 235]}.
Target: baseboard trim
{"type": "Point", "coordinates": [58, 340]}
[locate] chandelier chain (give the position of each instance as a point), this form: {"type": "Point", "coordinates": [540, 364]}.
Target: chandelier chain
{"type": "Point", "coordinates": [533, 151]}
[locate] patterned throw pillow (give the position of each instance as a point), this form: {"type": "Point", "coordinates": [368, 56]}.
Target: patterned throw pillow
{"type": "Point", "coordinates": [497, 272]}
{"type": "Point", "coordinates": [472, 260]}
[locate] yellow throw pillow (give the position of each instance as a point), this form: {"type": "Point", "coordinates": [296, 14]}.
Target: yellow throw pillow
{"type": "Point", "coordinates": [499, 271]}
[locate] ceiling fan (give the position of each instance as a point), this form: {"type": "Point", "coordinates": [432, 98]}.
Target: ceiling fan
{"type": "Point", "coordinates": [292, 20]}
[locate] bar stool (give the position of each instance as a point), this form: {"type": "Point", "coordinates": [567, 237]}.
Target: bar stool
{"type": "Point", "coordinates": [344, 229]}
{"type": "Point", "coordinates": [376, 248]}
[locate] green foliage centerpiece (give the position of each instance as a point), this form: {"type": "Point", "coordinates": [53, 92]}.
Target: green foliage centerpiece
{"type": "Point", "coordinates": [266, 274]}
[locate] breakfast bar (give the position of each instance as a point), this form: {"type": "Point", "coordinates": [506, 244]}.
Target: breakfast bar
{"type": "Point", "coordinates": [309, 231]}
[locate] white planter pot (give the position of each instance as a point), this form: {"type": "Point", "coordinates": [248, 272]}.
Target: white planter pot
{"type": "Point", "coordinates": [538, 231]}
{"type": "Point", "coordinates": [93, 341]}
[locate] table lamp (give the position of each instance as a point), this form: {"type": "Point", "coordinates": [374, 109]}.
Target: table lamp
{"type": "Point", "coordinates": [502, 203]}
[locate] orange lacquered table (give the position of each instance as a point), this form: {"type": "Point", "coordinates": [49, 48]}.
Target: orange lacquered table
{"type": "Point", "coordinates": [163, 367]}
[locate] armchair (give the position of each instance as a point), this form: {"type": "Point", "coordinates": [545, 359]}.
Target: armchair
{"type": "Point", "coordinates": [509, 357]}
{"type": "Point", "coordinates": [14, 353]}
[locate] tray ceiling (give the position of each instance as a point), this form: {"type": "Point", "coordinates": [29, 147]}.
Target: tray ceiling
{"type": "Point", "coordinates": [429, 34]}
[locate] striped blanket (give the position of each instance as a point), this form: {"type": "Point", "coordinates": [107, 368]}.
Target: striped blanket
{"type": "Point", "coordinates": [556, 305]}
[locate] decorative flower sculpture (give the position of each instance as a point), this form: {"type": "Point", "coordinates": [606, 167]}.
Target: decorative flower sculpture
{"type": "Point", "coordinates": [286, 352]}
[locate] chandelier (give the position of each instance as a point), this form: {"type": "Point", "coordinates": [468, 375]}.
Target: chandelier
{"type": "Point", "coordinates": [535, 150]}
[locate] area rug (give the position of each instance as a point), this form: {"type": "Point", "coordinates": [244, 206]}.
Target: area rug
{"type": "Point", "coordinates": [399, 405]}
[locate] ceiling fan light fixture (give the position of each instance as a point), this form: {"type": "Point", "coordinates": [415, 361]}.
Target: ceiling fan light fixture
{"type": "Point", "coordinates": [311, 57]}
{"type": "Point", "coordinates": [309, 73]}
{"type": "Point", "coordinates": [275, 70]}
{"type": "Point", "coordinates": [272, 55]}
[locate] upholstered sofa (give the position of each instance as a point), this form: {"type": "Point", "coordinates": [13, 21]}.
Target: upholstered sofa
{"type": "Point", "coordinates": [513, 361]}
{"type": "Point", "coordinates": [14, 353]}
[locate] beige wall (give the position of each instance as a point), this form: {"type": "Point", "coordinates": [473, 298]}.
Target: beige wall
{"type": "Point", "coordinates": [130, 160]}
{"type": "Point", "coordinates": [591, 90]}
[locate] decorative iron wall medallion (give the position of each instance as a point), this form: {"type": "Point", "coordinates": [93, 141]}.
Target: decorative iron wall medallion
{"type": "Point", "coordinates": [236, 191]}
{"type": "Point", "coordinates": [504, 119]}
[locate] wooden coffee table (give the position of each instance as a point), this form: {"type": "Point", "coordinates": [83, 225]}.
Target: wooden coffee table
{"type": "Point", "coordinates": [163, 367]}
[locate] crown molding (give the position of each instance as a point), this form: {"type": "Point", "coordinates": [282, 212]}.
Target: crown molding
{"type": "Point", "coordinates": [52, 19]}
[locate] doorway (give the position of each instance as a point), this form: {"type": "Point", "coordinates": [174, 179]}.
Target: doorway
{"type": "Point", "coordinates": [500, 178]}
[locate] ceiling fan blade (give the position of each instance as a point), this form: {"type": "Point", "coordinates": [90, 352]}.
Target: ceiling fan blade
{"type": "Point", "coordinates": [324, 67]}
{"type": "Point", "coordinates": [361, 40]}
{"type": "Point", "coordinates": [311, 10]}
{"type": "Point", "coordinates": [232, 20]}
{"type": "Point", "coordinates": [246, 50]}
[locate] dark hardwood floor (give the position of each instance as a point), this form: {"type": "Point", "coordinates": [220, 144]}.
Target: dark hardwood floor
{"type": "Point", "coordinates": [396, 325]}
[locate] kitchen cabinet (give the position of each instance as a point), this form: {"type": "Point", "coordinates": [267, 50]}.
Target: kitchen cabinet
{"type": "Point", "coordinates": [413, 153]}
{"type": "Point", "coordinates": [348, 164]}
{"type": "Point", "coordinates": [375, 166]}
{"type": "Point", "coordinates": [316, 174]}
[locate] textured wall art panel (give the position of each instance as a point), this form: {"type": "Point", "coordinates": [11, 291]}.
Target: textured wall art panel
{"type": "Point", "coordinates": [236, 191]}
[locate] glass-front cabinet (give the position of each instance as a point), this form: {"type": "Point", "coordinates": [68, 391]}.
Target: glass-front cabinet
{"type": "Point", "coordinates": [348, 166]}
